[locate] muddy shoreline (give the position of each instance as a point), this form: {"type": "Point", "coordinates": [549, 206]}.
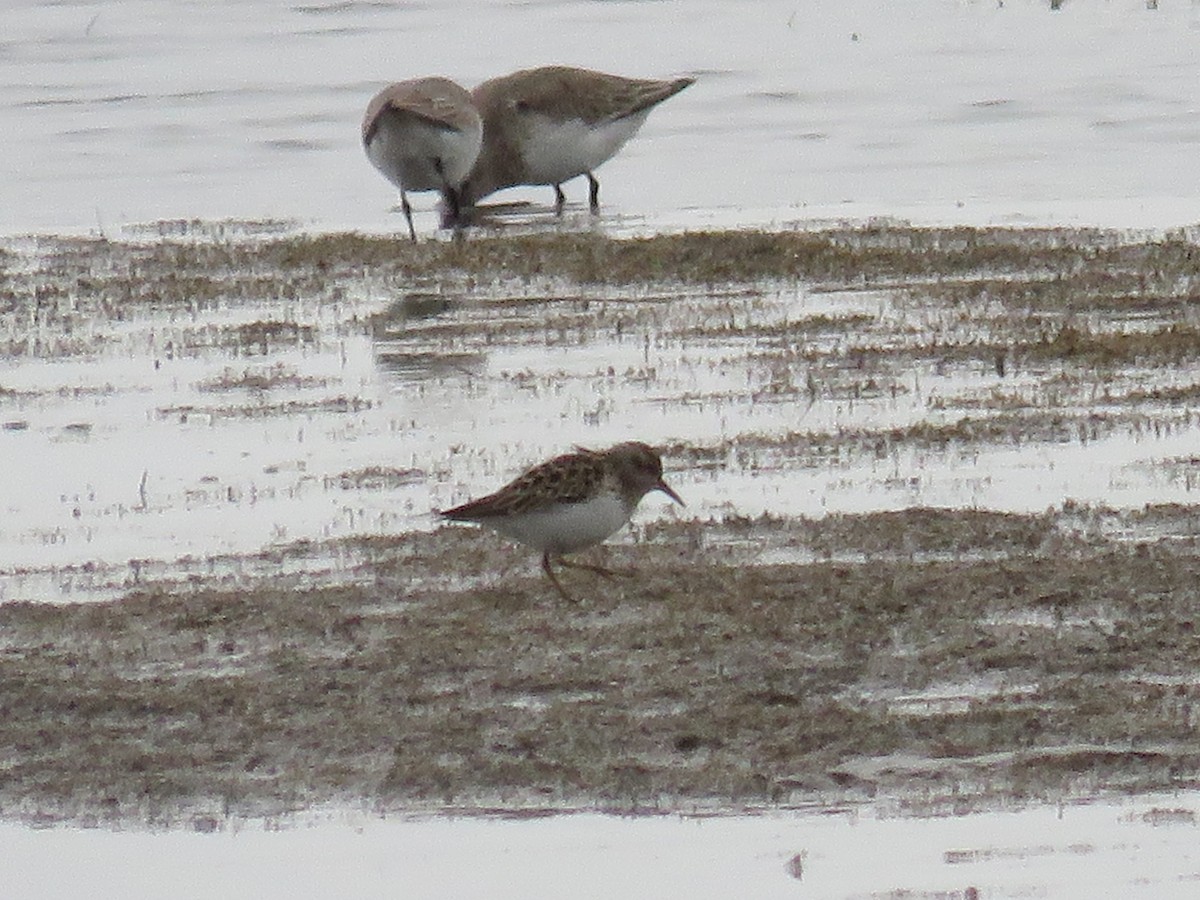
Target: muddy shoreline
{"type": "Point", "coordinates": [946, 659]}
{"type": "Point", "coordinates": [1018, 662]}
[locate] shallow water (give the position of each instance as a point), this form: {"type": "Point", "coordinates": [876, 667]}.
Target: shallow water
{"type": "Point", "coordinates": [1142, 847]}
{"type": "Point", "coordinates": [133, 463]}
{"type": "Point", "coordinates": [176, 448]}
{"type": "Point", "coordinates": [932, 110]}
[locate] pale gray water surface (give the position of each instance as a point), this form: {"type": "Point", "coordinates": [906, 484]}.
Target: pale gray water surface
{"type": "Point", "coordinates": [1134, 848]}
{"type": "Point", "coordinates": [935, 110]}
{"type": "Point", "coordinates": [957, 111]}
{"type": "Point", "coordinates": [930, 110]}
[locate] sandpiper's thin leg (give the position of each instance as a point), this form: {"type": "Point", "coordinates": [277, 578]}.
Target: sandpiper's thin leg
{"type": "Point", "coordinates": [452, 214]}
{"type": "Point", "coordinates": [404, 205]}
{"type": "Point", "coordinates": [593, 193]}
{"type": "Point", "coordinates": [553, 579]}
{"type": "Point", "coordinates": [560, 199]}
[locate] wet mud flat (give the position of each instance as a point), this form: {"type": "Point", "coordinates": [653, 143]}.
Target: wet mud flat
{"type": "Point", "coordinates": [942, 657]}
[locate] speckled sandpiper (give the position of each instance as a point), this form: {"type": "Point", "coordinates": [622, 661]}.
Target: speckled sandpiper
{"type": "Point", "coordinates": [570, 502]}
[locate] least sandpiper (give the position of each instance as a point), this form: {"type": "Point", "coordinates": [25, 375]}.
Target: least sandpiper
{"type": "Point", "coordinates": [548, 125]}
{"type": "Point", "coordinates": [570, 502]}
{"type": "Point", "coordinates": [423, 135]}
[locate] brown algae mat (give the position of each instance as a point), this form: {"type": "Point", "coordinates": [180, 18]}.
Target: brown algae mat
{"type": "Point", "coordinates": [948, 658]}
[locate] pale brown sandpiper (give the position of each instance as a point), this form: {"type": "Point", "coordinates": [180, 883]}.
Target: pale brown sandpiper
{"type": "Point", "coordinates": [423, 135]}
{"type": "Point", "coordinates": [570, 502]}
{"type": "Point", "coordinates": [548, 125]}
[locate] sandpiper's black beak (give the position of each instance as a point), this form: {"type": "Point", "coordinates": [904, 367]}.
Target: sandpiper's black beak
{"type": "Point", "coordinates": [666, 489]}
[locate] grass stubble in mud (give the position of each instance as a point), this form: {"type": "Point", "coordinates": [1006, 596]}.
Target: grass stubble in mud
{"type": "Point", "coordinates": [944, 659]}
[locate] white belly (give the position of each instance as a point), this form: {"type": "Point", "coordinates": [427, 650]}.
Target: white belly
{"type": "Point", "coordinates": [419, 157]}
{"type": "Point", "coordinates": [555, 151]}
{"type": "Point", "coordinates": [568, 527]}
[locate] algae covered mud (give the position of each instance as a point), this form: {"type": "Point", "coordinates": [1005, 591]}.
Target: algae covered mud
{"type": "Point", "coordinates": [940, 543]}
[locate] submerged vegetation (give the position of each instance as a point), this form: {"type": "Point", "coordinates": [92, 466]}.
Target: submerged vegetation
{"type": "Point", "coordinates": [752, 659]}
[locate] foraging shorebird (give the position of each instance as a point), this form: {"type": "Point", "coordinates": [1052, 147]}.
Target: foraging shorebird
{"type": "Point", "coordinates": [423, 135]}
{"type": "Point", "coordinates": [570, 502]}
{"type": "Point", "coordinates": [551, 124]}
